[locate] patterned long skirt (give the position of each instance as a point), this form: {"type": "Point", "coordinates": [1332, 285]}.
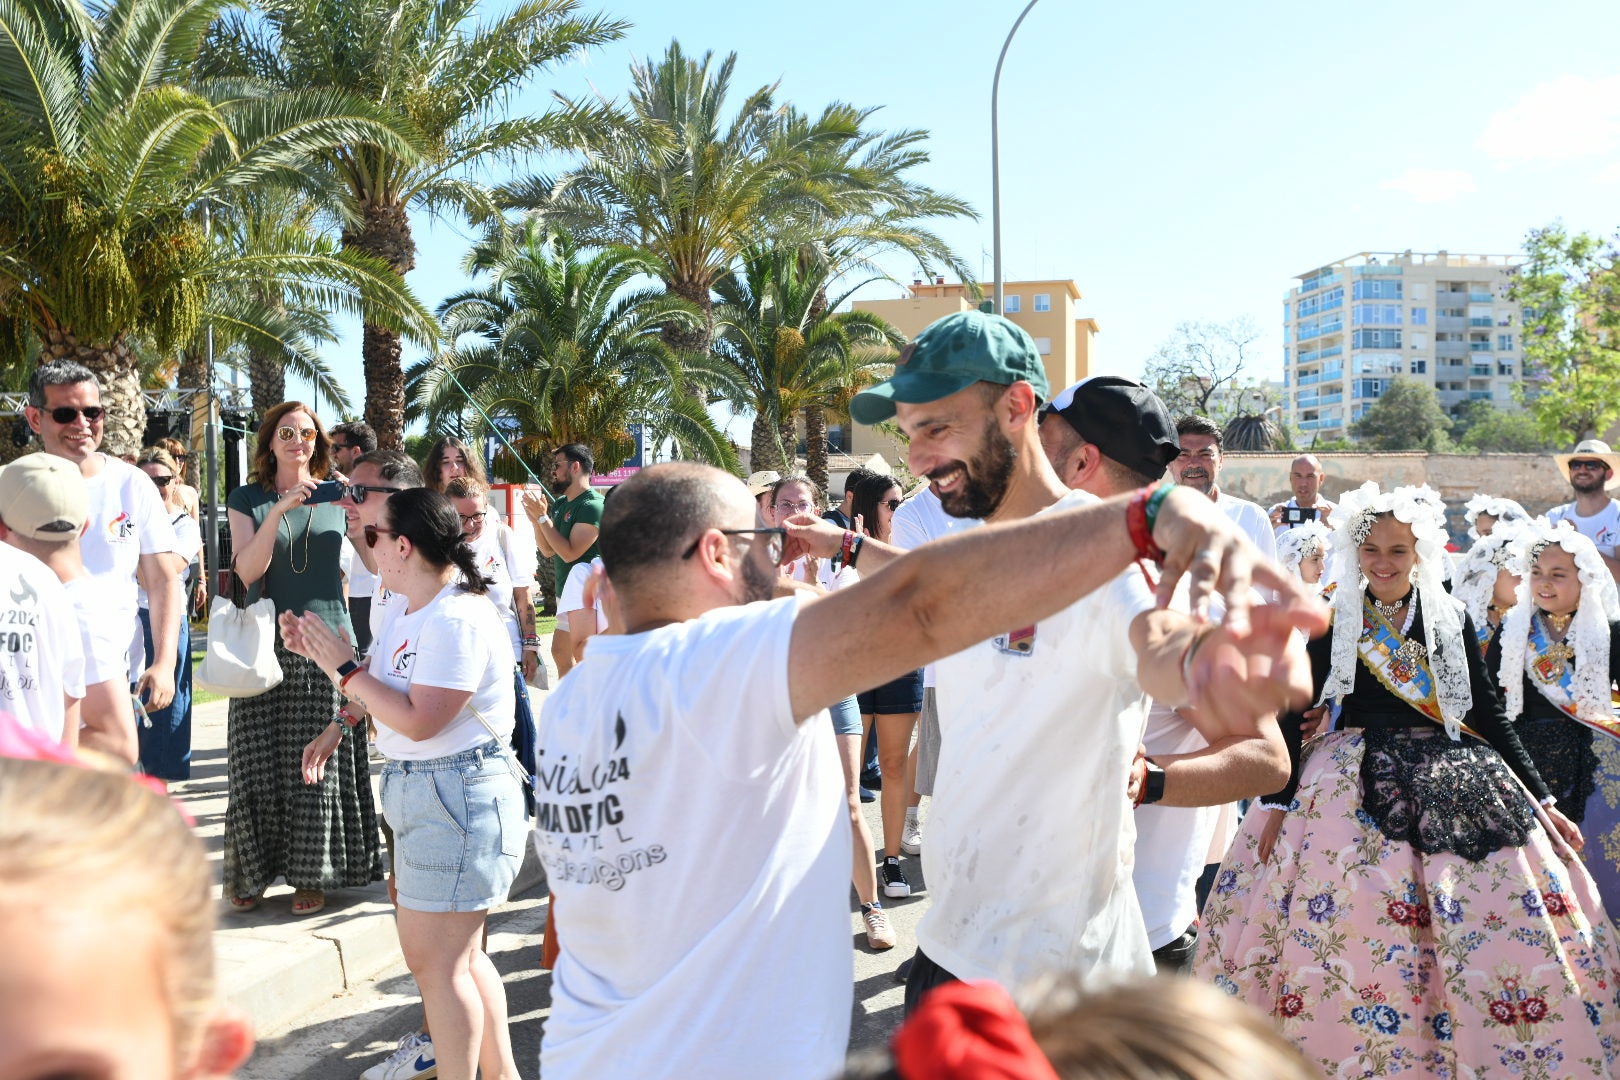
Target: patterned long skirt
{"type": "Point", "coordinates": [317, 836]}
{"type": "Point", "coordinates": [1379, 955]}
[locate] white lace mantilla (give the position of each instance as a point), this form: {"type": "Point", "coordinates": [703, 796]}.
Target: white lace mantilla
{"type": "Point", "coordinates": [1476, 579]}
{"type": "Point", "coordinates": [1442, 615]}
{"type": "Point", "coordinates": [1501, 509]}
{"type": "Point", "coordinates": [1588, 632]}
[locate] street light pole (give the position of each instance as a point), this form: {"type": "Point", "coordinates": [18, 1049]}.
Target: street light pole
{"type": "Point", "coordinates": [995, 155]}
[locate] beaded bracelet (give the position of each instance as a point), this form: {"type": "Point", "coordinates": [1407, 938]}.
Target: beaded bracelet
{"type": "Point", "coordinates": [1136, 521]}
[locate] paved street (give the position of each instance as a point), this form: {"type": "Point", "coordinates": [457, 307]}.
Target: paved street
{"type": "Point", "coordinates": [330, 994]}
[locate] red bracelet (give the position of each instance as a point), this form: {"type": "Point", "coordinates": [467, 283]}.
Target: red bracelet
{"type": "Point", "coordinates": [1136, 521]}
{"type": "Point", "coordinates": [348, 718]}
{"type": "Point", "coordinates": [849, 544]}
{"type": "Point", "coordinates": [345, 680]}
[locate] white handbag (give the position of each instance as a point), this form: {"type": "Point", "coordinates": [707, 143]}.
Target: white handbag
{"type": "Point", "coordinates": [241, 657]}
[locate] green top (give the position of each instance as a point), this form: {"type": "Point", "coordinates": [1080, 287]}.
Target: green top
{"type": "Point", "coordinates": [565, 514]}
{"type": "Point", "coordinates": [306, 570]}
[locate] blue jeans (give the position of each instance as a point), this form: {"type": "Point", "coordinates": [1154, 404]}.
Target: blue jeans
{"type": "Point", "coordinates": [166, 745]}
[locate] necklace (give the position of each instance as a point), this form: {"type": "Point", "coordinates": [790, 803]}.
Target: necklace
{"type": "Point", "coordinates": [1558, 624]}
{"type": "Point", "coordinates": [1555, 661]}
{"type": "Point", "coordinates": [308, 521]}
{"type": "Point", "coordinates": [1388, 610]}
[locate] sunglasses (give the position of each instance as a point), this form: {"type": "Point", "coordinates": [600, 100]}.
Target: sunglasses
{"type": "Point", "coordinates": [1597, 465]}
{"type": "Point", "coordinates": [288, 434]}
{"type": "Point", "coordinates": [373, 531]}
{"type": "Point", "coordinates": [66, 414]}
{"type": "Point", "coordinates": [773, 542]}
{"type": "Point", "coordinates": [892, 504]}
{"type": "Point", "coordinates": [344, 446]}
{"type": "Point", "coordinates": [358, 492]}
{"type": "Point", "coordinates": [162, 481]}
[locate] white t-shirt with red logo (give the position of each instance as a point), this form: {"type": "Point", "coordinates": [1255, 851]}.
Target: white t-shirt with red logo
{"type": "Point", "coordinates": [127, 520]}
{"type": "Point", "coordinates": [456, 642]}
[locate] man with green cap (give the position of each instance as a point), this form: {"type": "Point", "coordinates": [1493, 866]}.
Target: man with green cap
{"type": "Point", "coordinates": [1030, 837]}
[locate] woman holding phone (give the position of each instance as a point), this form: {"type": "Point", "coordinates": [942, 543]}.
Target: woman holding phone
{"type": "Point", "coordinates": [318, 836]}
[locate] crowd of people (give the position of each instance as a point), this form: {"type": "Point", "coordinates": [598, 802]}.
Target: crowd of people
{"type": "Point", "coordinates": [1324, 780]}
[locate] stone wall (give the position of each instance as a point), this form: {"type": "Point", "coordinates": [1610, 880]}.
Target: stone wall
{"type": "Point", "coordinates": [1532, 479]}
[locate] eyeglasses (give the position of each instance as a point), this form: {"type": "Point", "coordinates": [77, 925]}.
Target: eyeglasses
{"type": "Point", "coordinates": [66, 414]}
{"type": "Point", "coordinates": [162, 481]}
{"type": "Point", "coordinates": [288, 434]}
{"type": "Point", "coordinates": [794, 507]}
{"type": "Point", "coordinates": [358, 492]}
{"type": "Point", "coordinates": [774, 539]}
{"type": "Point", "coordinates": [893, 505]}
{"type": "Point", "coordinates": [1587, 465]}
{"type": "Point", "coordinates": [373, 531]}
{"type": "Point", "coordinates": [344, 446]}
{"type": "Point", "coordinates": [468, 519]}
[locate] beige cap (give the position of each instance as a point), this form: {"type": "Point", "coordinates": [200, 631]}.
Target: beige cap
{"type": "Point", "coordinates": [43, 497]}
{"type": "Point", "coordinates": [759, 483]}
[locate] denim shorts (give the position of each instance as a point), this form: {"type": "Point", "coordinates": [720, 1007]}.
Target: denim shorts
{"type": "Point", "coordinates": [846, 717]}
{"type": "Point", "coordinates": [458, 828]}
{"type": "Point", "coordinates": [896, 698]}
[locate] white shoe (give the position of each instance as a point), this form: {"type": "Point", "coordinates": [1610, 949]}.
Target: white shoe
{"type": "Point", "coordinates": [412, 1060]}
{"type": "Point", "coordinates": [879, 934]}
{"type": "Point", "coordinates": [911, 837]}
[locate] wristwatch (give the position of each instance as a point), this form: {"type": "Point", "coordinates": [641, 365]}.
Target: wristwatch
{"type": "Point", "coordinates": [1153, 786]}
{"type": "Point", "coordinates": [345, 669]}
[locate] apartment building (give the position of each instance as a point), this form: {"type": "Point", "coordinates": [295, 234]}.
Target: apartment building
{"type": "Point", "coordinates": [1044, 308]}
{"type": "Point", "coordinates": [1351, 327]}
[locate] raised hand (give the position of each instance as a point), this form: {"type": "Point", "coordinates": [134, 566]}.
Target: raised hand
{"type": "Point", "coordinates": [810, 535]}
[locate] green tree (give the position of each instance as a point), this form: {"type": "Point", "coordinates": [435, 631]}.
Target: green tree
{"type": "Point", "coordinates": [107, 145]}
{"type": "Point", "coordinates": [1569, 288]}
{"type": "Point", "coordinates": [1481, 427]}
{"type": "Point", "coordinates": [1406, 417]}
{"type": "Point", "coordinates": [559, 347]}
{"type": "Point", "coordinates": [793, 352]}
{"type": "Point", "coordinates": [445, 76]}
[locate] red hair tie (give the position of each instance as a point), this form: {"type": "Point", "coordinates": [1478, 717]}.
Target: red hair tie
{"type": "Point", "coordinates": [968, 1031]}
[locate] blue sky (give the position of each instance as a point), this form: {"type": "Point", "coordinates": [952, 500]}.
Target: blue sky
{"type": "Point", "coordinates": [1180, 161]}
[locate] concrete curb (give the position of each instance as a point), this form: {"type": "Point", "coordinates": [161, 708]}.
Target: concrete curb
{"type": "Point", "coordinates": [273, 965]}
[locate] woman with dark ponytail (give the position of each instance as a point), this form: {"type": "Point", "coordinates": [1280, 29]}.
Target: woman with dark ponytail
{"type": "Point", "coordinates": [438, 682]}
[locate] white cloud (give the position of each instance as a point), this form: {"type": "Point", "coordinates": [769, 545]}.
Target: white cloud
{"type": "Point", "coordinates": [1609, 174]}
{"type": "Point", "coordinates": [1431, 185]}
{"type": "Point", "coordinates": [1567, 119]}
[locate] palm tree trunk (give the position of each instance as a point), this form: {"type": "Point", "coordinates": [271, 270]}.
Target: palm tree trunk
{"type": "Point", "coordinates": [815, 447]}
{"type": "Point", "coordinates": [789, 434]}
{"type": "Point", "coordinates": [384, 232]}
{"type": "Point", "coordinates": [115, 369]}
{"type": "Point", "coordinates": [268, 379]}
{"type": "Point", "coordinates": [686, 339]}
{"type": "Point", "coordinates": [194, 375]}
{"type": "Point", "coordinates": [767, 451]}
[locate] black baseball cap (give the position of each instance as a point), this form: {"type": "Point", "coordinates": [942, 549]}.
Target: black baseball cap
{"type": "Point", "coordinates": [1123, 419]}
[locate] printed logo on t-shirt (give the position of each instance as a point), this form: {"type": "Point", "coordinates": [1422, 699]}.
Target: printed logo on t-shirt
{"type": "Point", "coordinates": [23, 592]}
{"type": "Point", "coordinates": [121, 527]}
{"type": "Point", "coordinates": [574, 808]}
{"type": "Point", "coordinates": [400, 663]}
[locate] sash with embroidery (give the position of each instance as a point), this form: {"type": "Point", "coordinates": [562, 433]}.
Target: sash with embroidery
{"type": "Point", "coordinates": [1401, 664]}
{"type": "Point", "coordinates": [1484, 632]}
{"type": "Point", "coordinates": [1548, 663]}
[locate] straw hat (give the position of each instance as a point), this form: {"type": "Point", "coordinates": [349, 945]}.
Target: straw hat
{"type": "Point", "coordinates": [1588, 449]}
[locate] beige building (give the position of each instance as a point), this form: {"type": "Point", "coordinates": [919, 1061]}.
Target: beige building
{"type": "Point", "coordinates": [1044, 308]}
{"type": "Point", "coordinates": [1352, 326]}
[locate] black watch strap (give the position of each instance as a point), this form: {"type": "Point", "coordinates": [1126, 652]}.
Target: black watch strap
{"type": "Point", "coordinates": [1153, 787]}
{"type": "Point", "coordinates": [347, 668]}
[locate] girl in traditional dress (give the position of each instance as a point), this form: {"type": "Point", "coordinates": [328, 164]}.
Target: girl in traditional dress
{"type": "Point", "coordinates": [1303, 551]}
{"type": "Point", "coordinates": [1486, 584]}
{"type": "Point", "coordinates": [1402, 906]}
{"type": "Point", "coordinates": [1484, 512]}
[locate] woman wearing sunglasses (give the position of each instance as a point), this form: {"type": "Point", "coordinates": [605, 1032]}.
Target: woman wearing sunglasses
{"type": "Point", "coordinates": [320, 836]}
{"type": "Point", "coordinates": [166, 743]}
{"type": "Point", "coordinates": [438, 682]}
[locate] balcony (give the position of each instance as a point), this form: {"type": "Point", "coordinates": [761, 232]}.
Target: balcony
{"type": "Point", "coordinates": [1450, 323]}
{"type": "Point", "coordinates": [1481, 371]}
{"type": "Point", "coordinates": [1310, 356]}
{"type": "Point", "coordinates": [1333, 350]}
{"type": "Point", "coordinates": [1487, 321]}
{"type": "Point", "coordinates": [1333, 398]}
{"type": "Point", "coordinates": [1479, 346]}
{"type": "Point", "coordinates": [1333, 327]}
{"type": "Point", "coordinates": [1318, 425]}
{"type": "Point", "coordinates": [1312, 284]}
{"type": "Point", "coordinates": [1379, 270]}
{"type": "Point", "coordinates": [1479, 395]}
{"type": "Point", "coordinates": [1450, 348]}
{"type": "Point", "coordinates": [1480, 297]}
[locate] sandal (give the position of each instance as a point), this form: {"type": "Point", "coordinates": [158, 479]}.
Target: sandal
{"type": "Point", "coordinates": [308, 902]}
{"type": "Point", "coordinates": [245, 904]}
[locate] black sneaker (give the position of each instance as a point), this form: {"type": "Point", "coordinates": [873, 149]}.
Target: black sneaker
{"type": "Point", "coordinates": [893, 878]}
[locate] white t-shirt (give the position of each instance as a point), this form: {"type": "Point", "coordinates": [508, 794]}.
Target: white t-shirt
{"type": "Point", "coordinates": [1603, 527]}
{"type": "Point", "coordinates": [41, 656]}
{"type": "Point", "coordinates": [1251, 519]}
{"type": "Point", "coordinates": [455, 642]}
{"type": "Point", "coordinates": [698, 843]}
{"type": "Point", "coordinates": [104, 640]}
{"type": "Point", "coordinates": [187, 543]}
{"type": "Point", "coordinates": [1172, 842]}
{"type": "Point", "coordinates": [362, 582]}
{"type": "Point", "coordinates": [918, 520]}
{"type": "Point", "coordinates": [498, 562]}
{"type": "Point", "coordinates": [127, 520]}
{"type": "Point", "coordinates": [573, 594]}
{"type": "Point", "coordinates": [1030, 839]}
{"type": "Point", "coordinates": [1323, 508]}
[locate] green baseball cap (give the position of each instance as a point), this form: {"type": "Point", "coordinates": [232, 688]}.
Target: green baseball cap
{"type": "Point", "coordinates": [952, 354]}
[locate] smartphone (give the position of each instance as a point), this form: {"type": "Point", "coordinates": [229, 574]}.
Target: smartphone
{"type": "Point", "coordinates": [1298, 515]}
{"type": "Point", "coordinates": [326, 491]}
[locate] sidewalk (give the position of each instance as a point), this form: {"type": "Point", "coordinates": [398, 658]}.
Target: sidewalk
{"type": "Point", "coordinates": [273, 965]}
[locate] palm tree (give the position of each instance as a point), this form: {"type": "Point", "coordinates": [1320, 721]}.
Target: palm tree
{"type": "Point", "coordinates": [106, 145]}
{"type": "Point", "coordinates": [558, 347]}
{"type": "Point", "coordinates": [685, 184]}
{"type": "Point", "coordinates": [433, 67]}
{"type": "Point", "coordinates": [794, 353]}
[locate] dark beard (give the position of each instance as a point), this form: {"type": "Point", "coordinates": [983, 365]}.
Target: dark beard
{"type": "Point", "coordinates": [757, 583]}
{"type": "Point", "coordinates": [1587, 483]}
{"type": "Point", "coordinates": [987, 477]}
